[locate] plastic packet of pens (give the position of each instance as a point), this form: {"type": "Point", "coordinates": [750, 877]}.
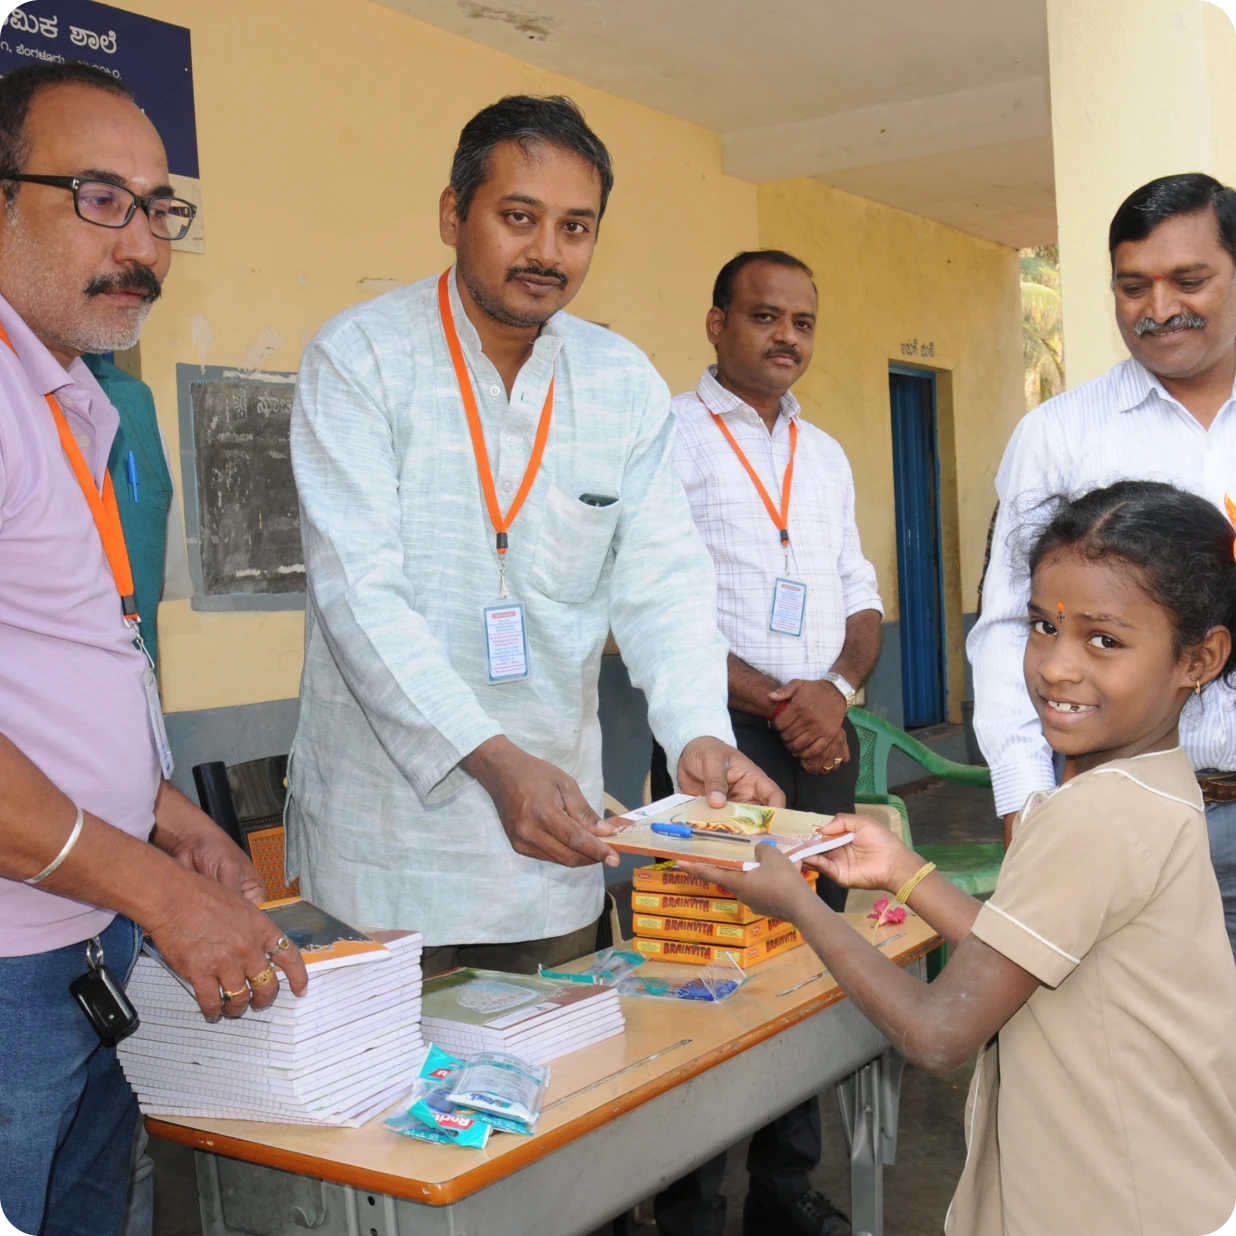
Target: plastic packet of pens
{"type": "Point", "coordinates": [715, 982]}
{"type": "Point", "coordinates": [460, 1102]}
{"type": "Point", "coordinates": [608, 969]}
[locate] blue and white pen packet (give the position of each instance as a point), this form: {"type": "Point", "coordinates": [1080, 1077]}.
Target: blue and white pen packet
{"type": "Point", "coordinates": [460, 1102]}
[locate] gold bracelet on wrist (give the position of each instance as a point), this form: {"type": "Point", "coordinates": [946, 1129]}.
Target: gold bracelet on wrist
{"type": "Point", "coordinates": [903, 893]}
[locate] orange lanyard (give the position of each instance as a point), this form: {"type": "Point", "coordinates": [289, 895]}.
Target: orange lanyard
{"type": "Point", "coordinates": [781, 518]}
{"type": "Point", "coordinates": [102, 506]}
{"type": "Point", "coordinates": [500, 522]}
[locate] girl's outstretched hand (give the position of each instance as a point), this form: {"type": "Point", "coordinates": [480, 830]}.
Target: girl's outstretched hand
{"type": "Point", "coordinates": [776, 887]}
{"type": "Point", "coordinates": [872, 860]}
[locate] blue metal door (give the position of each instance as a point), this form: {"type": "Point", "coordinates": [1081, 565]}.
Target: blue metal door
{"type": "Point", "coordinates": [916, 486]}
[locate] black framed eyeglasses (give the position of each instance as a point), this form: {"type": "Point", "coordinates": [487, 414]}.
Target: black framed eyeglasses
{"type": "Point", "coordinates": [107, 205]}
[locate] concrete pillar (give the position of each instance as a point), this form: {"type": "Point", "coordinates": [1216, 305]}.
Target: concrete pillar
{"type": "Point", "coordinates": [1130, 101]}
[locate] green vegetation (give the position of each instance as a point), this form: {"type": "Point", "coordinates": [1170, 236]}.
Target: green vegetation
{"type": "Point", "coordinates": [1042, 322]}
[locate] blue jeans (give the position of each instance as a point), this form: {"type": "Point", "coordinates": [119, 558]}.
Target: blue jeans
{"type": "Point", "coordinates": [67, 1115]}
{"type": "Point", "coordinates": [139, 1205]}
{"type": "Point", "coordinates": [1221, 824]}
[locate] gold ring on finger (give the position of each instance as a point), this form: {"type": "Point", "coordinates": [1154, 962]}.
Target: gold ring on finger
{"type": "Point", "coordinates": [229, 996]}
{"type": "Point", "coordinates": [264, 979]}
{"type": "Point", "coordinates": [282, 944]}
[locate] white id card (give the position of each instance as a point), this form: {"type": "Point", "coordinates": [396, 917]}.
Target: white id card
{"type": "Point", "coordinates": [155, 709]}
{"type": "Point", "coordinates": [788, 607]}
{"type": "Point", "coordinates": [506, 645]}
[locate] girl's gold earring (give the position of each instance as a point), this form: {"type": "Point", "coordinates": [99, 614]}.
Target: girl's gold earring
{"type": "Point", "coordinates": [1197, 686]}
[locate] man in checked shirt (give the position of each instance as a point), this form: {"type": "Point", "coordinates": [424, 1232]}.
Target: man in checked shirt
{"type": "Point", "coordinates": [773, 498]}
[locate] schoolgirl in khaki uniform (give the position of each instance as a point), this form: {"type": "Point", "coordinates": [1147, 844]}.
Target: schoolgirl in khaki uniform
{"type": "Point", "coordinates": [1097, 983]}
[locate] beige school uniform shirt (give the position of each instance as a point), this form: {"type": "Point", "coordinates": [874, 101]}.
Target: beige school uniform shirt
{"type": "Point", "coordinates": [1107, 1104]}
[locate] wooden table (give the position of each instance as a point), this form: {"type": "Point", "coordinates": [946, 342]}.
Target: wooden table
{"type": "Point", "coordinates": [622, 1119]}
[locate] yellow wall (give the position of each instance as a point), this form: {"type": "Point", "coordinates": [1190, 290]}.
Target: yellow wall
{"type": "Point", "coordinates": [887, 278]}
{"type": "Point", "coordinates": [322, 101]}
{"type": "Point", "coordinates": [1220, 37]}
{"type": "Point", "coordinates": [325, 130]}
{"type": "Point", "coordinates": [1109, 137]}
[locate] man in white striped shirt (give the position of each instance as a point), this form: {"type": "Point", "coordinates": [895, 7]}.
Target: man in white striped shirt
{"type": "Point", "coordinates": [773, 498]}
{"type": "Point", "coordinates": [1167, 413]}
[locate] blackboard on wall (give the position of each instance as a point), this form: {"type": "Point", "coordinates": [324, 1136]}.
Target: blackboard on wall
{"type": "Point", "coordinates": [241, 515]}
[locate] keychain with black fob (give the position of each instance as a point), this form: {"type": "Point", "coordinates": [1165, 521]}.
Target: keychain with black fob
{"type": "Point", "coordinates": [103, 1001]}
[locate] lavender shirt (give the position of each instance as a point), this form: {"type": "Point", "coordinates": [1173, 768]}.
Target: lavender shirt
{"type": "Point", "coordinates": [71, 693]}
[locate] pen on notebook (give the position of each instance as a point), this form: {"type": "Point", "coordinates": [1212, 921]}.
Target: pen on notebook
{"type": "Point", "coordinates": [131, 471]}
{"type": "Point", "coordinates": [685, 831]}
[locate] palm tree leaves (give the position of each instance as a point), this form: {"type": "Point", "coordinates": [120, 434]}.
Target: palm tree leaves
{"type": "Point", "coordinates": [1042, 322]}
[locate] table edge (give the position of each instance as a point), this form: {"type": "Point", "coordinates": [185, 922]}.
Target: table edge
{"type": "Point", "coordinates": [448, 1192]}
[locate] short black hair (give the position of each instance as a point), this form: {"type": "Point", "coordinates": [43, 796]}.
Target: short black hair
{"type": "Point", "coordinates": [1154, 203]}
{"type": "Point", "coordinates": [1180, 545]}
{"type": "Point", "coordinates": [530, 120]}
{"type": "Point", "coordinates": [723, 287]}
{"type": "Point", "coordinates": [17, 92]}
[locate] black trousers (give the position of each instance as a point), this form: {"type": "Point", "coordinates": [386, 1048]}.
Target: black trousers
{"type": "Point", "coordinates": [782, 1153]}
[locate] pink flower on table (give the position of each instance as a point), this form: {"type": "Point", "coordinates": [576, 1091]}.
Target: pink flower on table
{"type": "Point", "coordinates": [881, 913]}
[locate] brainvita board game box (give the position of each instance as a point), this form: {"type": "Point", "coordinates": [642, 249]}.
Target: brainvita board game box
{"type": "Point", "coordinates": [667, 877]}
{"type": "Point", "coordinates": [773, 945]}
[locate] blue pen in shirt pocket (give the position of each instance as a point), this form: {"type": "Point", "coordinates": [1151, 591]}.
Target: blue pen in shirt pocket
{"type": "Point", "coordinates": [130, 466]}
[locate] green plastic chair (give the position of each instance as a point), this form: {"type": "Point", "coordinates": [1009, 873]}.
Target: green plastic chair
{"type": "Point", "coordinates": [973, 868]}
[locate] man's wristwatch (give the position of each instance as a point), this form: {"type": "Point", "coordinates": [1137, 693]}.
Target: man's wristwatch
{"type": "Point", "coordinates": [848, 693]}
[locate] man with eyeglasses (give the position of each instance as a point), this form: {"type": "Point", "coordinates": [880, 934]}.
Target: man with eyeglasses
{"type": "Point", "coordinates": [486, 490]}
{"type": "Point", "coordinates": [85, 235]}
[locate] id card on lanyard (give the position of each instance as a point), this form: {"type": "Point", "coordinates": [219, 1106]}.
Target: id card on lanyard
{"type": "Point", "coordinates": [506, 639]}
{"type": "Point", "coordinates": [789, 599]}
{"type": "Point", "coordinates": [106, 514]}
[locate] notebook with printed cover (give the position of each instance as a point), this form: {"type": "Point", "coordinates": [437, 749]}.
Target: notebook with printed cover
{"type": "Point", "coordinates": [487, 1010]}
{"type": "Point", "coordinates": [324, 940]}
{"type": "Point", "coordinates": [337, 1055]}
{"type": "Point", "coordinates": [738, 828]}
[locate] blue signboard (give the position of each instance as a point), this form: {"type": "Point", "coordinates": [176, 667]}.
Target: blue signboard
{"type": "Point", "coordinates": [152, 58]}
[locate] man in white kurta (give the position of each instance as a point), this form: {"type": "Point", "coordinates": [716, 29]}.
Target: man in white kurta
{"type": "Point", "coordinates": [387, 823]}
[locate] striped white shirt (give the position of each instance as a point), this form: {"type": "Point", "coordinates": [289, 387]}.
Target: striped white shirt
{"type": "Point", "coordinates": [825, 553]}
{"type": "Point", "coordinates": [384, 825]}
{"type": "Point", "coordinates": [1122, 425]}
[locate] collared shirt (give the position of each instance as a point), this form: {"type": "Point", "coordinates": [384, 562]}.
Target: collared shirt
{"type": "Point", "coordinates": [1109, 1105]}
{"type": "Point", "coordinates": [385, 827]}
{"type": "Point", "coordinates": [825, 553]}
{"type": "Point", "coordinates": [71, 693]}
{"type": "Point", "coordinates": [1122, 425]}
{"type": "Point", "coordinates": [153, 528]}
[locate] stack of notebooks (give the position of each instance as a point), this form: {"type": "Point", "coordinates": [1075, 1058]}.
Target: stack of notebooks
{"type": "Point", "coordinates": [678, 917]}
{"type": "Point", "coordinates": [339, 1055]}
{"type": "Point", "coordinates": [537, 1019]}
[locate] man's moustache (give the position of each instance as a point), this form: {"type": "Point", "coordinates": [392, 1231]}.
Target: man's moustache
{"type": "Point", "coordinates": [135, 279]}
{"type": "Point", "coordinates": [793, 353]}
{"type": "Point", "coordinates": [516, 271]}
{"type": "Point", "coordinates": [1178, 321]}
